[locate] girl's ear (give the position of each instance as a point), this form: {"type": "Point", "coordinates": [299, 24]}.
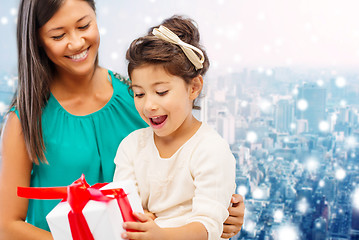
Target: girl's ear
{"type": "Point", "coordinates": [196, 87]}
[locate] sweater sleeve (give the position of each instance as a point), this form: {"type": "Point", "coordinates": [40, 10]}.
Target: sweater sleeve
{"type": "Point", "coordinates": [213, 170]}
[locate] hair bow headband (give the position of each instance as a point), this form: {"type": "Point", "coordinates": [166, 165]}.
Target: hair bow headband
{"type": "Point", "coordinates": [165, 34]}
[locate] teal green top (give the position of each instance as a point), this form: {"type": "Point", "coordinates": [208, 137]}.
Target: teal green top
{"type": "Point", "coordinates": [78, 145]}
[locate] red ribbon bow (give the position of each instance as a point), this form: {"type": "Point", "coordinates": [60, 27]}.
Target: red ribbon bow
{"type": "Point", "coordinates": [77, 195]}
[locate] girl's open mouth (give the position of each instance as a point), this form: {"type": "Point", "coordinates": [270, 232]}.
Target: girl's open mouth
{"type": "Point", "coordinates": [156, 121]}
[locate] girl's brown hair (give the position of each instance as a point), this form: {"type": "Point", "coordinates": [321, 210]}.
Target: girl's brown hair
{"type": "Point", "coordinates": [152, 50]}
{"type": "Point", "coordinates": [35, 70]}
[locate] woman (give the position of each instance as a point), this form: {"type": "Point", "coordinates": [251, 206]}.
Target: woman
{"type": "Point", "coordinates": [68, 117]}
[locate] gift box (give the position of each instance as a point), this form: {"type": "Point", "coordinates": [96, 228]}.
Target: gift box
{"type": "Point", "coordinates": [89, 212]}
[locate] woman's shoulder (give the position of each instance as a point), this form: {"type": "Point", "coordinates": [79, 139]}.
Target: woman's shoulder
{"type": "Point", "coordinates": [119, 78]}
{"type": "Point", "coordinates": [13, 110]}
{"type": "Point", "coordinates": [12, 125]}
{"type": "Point", "coordinates": [121, 86]}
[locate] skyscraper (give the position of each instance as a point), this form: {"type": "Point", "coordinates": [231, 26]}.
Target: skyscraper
{"type": "Point", "coordinates": [284, 115]}
{"type": "Point", "coordinates": [311, 103]}
{"type": "Point", "coordinates": [225, 125]}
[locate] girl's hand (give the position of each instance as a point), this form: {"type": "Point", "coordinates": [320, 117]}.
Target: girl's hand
{"type": "Point", "coordinates": [234, 222]}
{"type": "Point", "coordinates": [145, 229]}
{"type": "Point", "coordinates": [150, 214]}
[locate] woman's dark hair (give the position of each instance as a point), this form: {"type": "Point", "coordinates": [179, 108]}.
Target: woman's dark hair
{"type": "Point", "coordinates": [153, 50]}
{"type": "Point", "coordinates": [35, 71]}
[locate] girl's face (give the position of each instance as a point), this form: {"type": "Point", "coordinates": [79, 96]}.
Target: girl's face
{"type": "Point", "coordinates": [71, 38]}
{"type": "Point", "coordinates": [163, 100]}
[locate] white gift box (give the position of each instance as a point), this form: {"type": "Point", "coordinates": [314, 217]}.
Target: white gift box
{"type": "Point", "coordinates": [103, 218]}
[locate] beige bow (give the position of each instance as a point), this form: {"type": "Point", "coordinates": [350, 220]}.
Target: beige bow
{"type": "Point", "coordinates": [165, 34]}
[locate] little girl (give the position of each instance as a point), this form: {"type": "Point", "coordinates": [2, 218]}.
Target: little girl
{"type": "Point", "coordinates": [183, 169]}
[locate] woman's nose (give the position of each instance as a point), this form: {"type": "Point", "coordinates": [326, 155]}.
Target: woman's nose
{"type": "Point", "coordinates": [76, 42]}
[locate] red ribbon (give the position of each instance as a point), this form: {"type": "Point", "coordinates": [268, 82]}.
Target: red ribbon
{"type": "Point", "coordinates": [77, 195]}
{"type": "Point", "coordinates": [122, 200]}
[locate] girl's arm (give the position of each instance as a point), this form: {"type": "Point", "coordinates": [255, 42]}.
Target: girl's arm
{"type": "Point", "coordinates": [15, 171]}
{"type": "Point", "coordinates": [231, 226]}
{"type": "Point", "coordinates": [147, 229]}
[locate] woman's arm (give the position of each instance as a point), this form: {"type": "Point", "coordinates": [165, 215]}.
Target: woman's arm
{"type": "Point", "coordinates": [15, 171]}
{"type": "Point", "coordinates": [234, 222]}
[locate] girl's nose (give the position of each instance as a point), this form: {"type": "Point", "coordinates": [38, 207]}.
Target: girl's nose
{"type": "Point", "coordinates": [150, 105]}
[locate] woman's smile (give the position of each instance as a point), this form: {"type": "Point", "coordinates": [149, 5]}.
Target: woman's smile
{"type": "Point", "coordinates": [81, 56]}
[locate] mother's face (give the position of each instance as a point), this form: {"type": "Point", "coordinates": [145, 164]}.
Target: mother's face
{"type": "Point", "coordinates": [71, 38]}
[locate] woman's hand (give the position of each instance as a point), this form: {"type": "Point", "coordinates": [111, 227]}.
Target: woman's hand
{"type": "Point", "coordinates": [234, 222]}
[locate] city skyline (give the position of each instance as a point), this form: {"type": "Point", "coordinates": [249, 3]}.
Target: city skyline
{"type": "Point", "coordinates": [300, 181]}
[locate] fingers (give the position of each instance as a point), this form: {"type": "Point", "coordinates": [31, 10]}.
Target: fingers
{"type": "Point", "coordinates": [228, 228]}
{"type": "Point", "coordinates": [137, 226]}
{"type": "Point", "coordinates": [236, 212]}
{"type": "Point", "coordinates": [149, 214]}
{"type": "Point", "coordinates": [141, 217]}
{"type": "Point", "coordinates": [134, 226]}
{"type": "Point", "coordinates": [236, 221]}
{"type": "Point", "coordinates": [145, 228]}
{"type": "Point", "coordinates": [227, 235]}
{"type": "Point", "coordinates": [236, 199]}
{"type": "Point", "coordinates": [133, 235]}
{"type": "Point", "coordinates": [237, 209]}
{"type": "Point", "coordinates": [229, 231]}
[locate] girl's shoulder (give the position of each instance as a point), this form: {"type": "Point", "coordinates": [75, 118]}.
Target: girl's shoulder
{"type": "Point", "coordinates": [138, 139]}
{"type": "Point", "coordinates": [142, 134]}
{"type": "Point", "coordinates": [208, 139]}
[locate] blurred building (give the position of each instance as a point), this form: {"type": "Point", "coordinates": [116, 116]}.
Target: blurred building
{"type": "Point", "coordinates": [315, 99]}
{"type": "Point", "coordinates": [284, 115]}
{"type": "Point", "coordinates": [225, 126]}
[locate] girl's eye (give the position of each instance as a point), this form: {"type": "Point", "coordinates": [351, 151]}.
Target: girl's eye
{"type": "Point", "coordinates": [139, 95]}
{"type": "Point", "coordinates": [162, 93]}
{"type": "Point", "coordinates": [84, 27]}
{"type": "Point", "coordinates": [58, 37]}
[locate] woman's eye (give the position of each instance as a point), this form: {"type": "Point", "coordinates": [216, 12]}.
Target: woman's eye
{"type": "Point", "coordinates": [84, 27]}
{"type": "Point", "coordinates": [162, 93]}
{"type": "Point", "coordinates": [139, 95]}
{"type": "Point", "coordinates": [58, 37]}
